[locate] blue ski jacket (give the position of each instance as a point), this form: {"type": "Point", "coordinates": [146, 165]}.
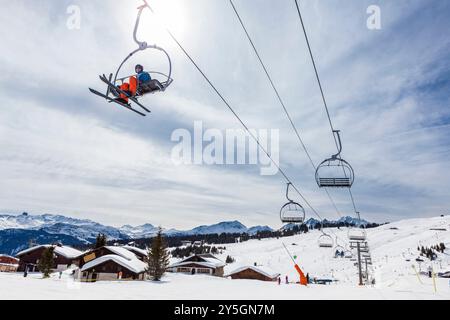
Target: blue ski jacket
{"type": "Point", "coordinates": [144, 77]}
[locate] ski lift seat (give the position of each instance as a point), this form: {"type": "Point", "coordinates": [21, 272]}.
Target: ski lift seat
{"type": "Point", "coordinates": [325, 241]}
{"type": "Point", "coordinates": [356, 237]}
{"type": "Point", "coordinates": [292, 212]}
{"type": "Point", "coordinates": [335, 182]}
{"type": "Point", "coordinates": [151, 86]}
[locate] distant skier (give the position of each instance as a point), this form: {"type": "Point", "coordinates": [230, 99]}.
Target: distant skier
{"type": "Point", "coordinates": [287, 280]}
{"type": "Point", "coordinates": [25, 271]}
{"type": "Point", "coordinates": [279, 280]}
{"type": "Point", "coordinates": [307, 278]}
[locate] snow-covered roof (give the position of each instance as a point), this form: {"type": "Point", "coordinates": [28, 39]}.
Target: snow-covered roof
{"type": "Point", "coordinates": [134, 265]}
{"type": "Point", "coordinates": [135, 249]}
{"type": "Point", "coordinates": [67, 252]}
{"type": "Point", "coordinates": [207, 262]}
{"type": "Point", "coordinates": [203, 264]}
{"type": "Point", "coordinates": [121, 251]}
{"type": "Point", "coordinates": [7, 256]}
{"type": "Point", "coordinates": [260, 269]}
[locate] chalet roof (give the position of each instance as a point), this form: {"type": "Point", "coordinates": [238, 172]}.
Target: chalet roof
{"type": "Point", "coordinates": [7, 256]}
{"type": "Point", "coordinates": [122, 251]}
{"type": "Point", "coordinates": [65, 251]}
{"type": "Point", "coordinates": [135, 249]}
{"type": "Point", "coordinates": [134, 265]}
{"type": "Point", "coordinates": [260, 269]}
{"type": "Point", "coordinates": [204, 261]}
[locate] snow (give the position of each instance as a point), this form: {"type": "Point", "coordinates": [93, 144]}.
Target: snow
{"type": "Point", "coordinates": [390, 250]}
{"type": "Point", "coordinates": [262, 270]}
{"type": "Point", "coordinates": [134, 265]}
{"type": "Point", "coordinates": [208, 262]}
{"type": "Point", "coordinates": [68, 252]}
{"type": "Point", "coordinates": [130, 248]}
{"type": "Point", "coordinates": [121, 251]}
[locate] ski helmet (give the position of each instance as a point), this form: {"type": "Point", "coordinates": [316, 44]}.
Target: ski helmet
{"type": "Point", "coordinates": [140, 67]}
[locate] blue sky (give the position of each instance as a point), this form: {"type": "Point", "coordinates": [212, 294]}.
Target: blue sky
{"type": "Point", "coordinates": [66, 151]}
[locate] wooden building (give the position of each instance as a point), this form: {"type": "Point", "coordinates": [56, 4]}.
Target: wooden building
{"type": "Point", "coordinates": [8, 263]}
{"type": "Point", "coordinates": [254, 273]}
{"type": "Point", "coordinates": [110, 268]}
{"type": "Point", "coordinates": [104, 251]}
{"type": "Point", "coordinates": [199, 264]}
{"type": "Point", "coordinates": [64, 257]}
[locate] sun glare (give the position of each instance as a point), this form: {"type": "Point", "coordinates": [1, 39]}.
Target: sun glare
{"type": "Point", "coordinates": [168, 14]}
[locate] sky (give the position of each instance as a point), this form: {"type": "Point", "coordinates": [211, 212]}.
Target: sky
{"type": "Point", "coordinates": [66, 151]}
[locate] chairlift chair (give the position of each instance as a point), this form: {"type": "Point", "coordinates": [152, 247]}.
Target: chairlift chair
{"type": "Point", "coordinates": [159, 83]}
{"type": "Point", "coordinates": [154, 85]}
{"type": "Point", "coordinates": [325, 241]}
{"type": "Point", "coordinates": [292, 212]}
{"type": "Point", "coordinates": [357, 234]}
{"type": "Point", "coordinates": [335, 172]}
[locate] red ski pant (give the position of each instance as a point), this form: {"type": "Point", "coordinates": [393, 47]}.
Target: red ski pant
{"type": "Point", "coordinates": [129, 88]}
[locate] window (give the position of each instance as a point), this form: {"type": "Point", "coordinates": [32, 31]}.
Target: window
{"type": "Point", "coordinates": [203, 270]}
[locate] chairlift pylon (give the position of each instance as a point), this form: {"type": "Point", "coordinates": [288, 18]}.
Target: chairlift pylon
{"type": "Point", "coordinates": [335, 172]}
{"type": "Point", "coordinates": [292, 212]}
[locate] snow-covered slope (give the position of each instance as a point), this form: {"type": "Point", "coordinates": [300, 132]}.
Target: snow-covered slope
{"type": "Point", "coordinates": [391, 247]}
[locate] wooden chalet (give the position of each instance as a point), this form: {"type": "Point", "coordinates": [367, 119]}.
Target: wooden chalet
{"type": "Point", "coordinates": [112, 267]}
{"type": "Point", "coordinates": [8, 263]}
{"type": "Point", "coordinates": [103, 251]}
{"type": "Point", "coordinates": [64, 257]}
{"type": "Point", "coordinates": [112, 263]}
{"type": "Point", "coordinates": [254, 273]}
{"type": "Point", "coordinates": [199, 264]}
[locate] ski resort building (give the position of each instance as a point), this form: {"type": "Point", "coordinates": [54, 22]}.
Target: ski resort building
{"type": "Point", "coordinates": [199, 263]}
{"type": "Point", "coordinates": [112, 267]}
{"type": "Point", "coordinates": [112, 263]}
{"type": "Point", "coordinates": [8, 263]}
{"type": "Point", "coordinates": [64, 257]}
{"type": "Point", "coordinates": [254, 273]}
{"type": "Point", "coordinates": [91, 255]}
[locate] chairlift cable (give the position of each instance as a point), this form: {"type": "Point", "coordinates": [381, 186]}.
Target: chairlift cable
{"type": "Point", "coordinates": [321, 88]}
{"type": "Point", "coordinates": [237, 117]}
{"type": "Point", "coordinates": [281, 100]}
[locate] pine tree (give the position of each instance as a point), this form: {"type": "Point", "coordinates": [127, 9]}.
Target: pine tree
{"type": "Point", "coordinates": [46, 261]}
{"type": "Point", "coordinates": [100, 241]}
{"type": "Point", "coordinates": [229, 259]}
{"type": "Point", "coordinates": [158, 257]}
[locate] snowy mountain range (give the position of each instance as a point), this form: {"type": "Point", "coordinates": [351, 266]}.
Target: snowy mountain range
{"type": "Point", "coordinates": [17, 230]}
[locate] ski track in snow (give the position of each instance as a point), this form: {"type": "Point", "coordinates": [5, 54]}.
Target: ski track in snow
{"type": "Point", "coordinates": [395, 277]}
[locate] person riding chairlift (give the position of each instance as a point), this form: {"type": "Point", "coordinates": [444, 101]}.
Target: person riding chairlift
{"type": "Point", "coordinates": [142, 77]}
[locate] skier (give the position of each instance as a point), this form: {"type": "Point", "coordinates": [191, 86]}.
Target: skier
{"type": "Point", "coordinates": [307, 278]}
{"type": "Point", "coordinates": [142, 77]}
{"type": "Point", "coordinates": [279, 280]}
{"type": "Point", "coordinates": [287, 280]}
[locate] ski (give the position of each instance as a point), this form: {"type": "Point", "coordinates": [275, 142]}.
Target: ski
{"type": "Point", "coordinates": [105, 80]}
{"type": "Point", "coordinates": [115, 101]}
